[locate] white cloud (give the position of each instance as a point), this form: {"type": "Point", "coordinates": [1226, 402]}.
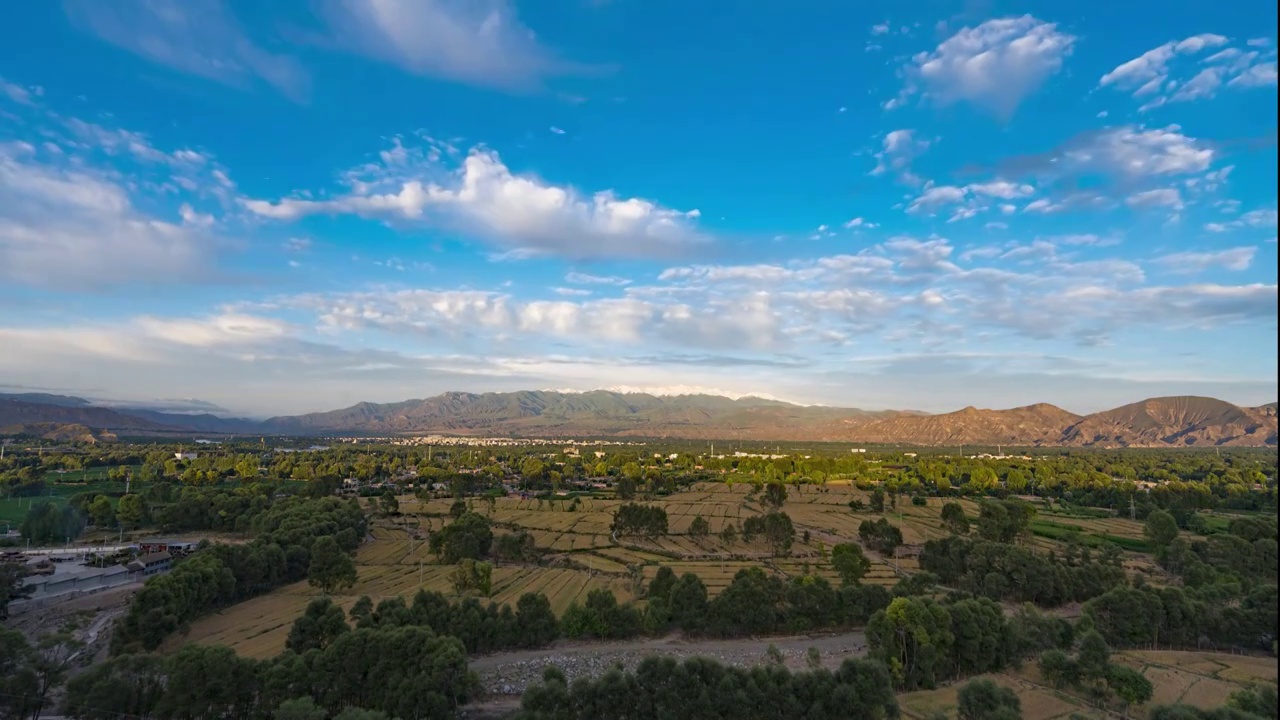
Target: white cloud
{"type": "Point", "coordinates": [1264, 218]}
{"type": "Point", "coordinates": [1159, 76]}
{"type": "Point", "coordinates": [1158, 198]}
{"type": "Point", "coordinates": [968, 200]}
{"type": "Point", "coordinates": [484, 197]}
{"type": "Point", "coordinates": [18, 93]}
{"type": "Point", "coordinates": [994, 66]}
{"type": "Point", "coordinates": [70, 226]}
{"type": "Point", "coordinates": [1260, 75]}
{"type": "Point", "coordinates": [881, 29]}
{"type": "Point", "coordinates": [855, 223]}
{"type": "Point", "coordinates": [556, 130]}
{"type": "Point", "coordinates": [899, 149]}
{"type": "Point", "coordinates": [477, 43]}
{"type": "Point", "coordinates": [585, 279]}
{"type": "Point", "coordinates": [1238, 258]}
{"type": "Point", "coordinates": [198, 37]}
{"type": "Point", "coordinates": [1129, 154]}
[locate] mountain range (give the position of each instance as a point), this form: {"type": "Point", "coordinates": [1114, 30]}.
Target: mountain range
{"type": "Point", "coordinates": [1156, 422]}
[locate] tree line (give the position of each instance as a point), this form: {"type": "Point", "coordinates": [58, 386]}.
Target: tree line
{"type": "Point", "coordinates": [222, 574]}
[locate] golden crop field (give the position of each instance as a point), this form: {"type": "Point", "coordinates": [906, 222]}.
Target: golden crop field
{"type": "Point", "coordinates": [1202, 679]}
{"type": "Point", "coordinates": [582, 555]}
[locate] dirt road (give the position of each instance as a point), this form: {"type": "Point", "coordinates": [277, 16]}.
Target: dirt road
{"type": "Point", "coordinates": [508, 673]}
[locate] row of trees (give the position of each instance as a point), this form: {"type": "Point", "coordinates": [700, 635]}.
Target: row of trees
{"type": "Point", "coordinates": [283, 551]}
{"type": "Point", "coordinates": [634, 519]}
{"type": "Point", "coordinates": [403, 672]}
{"type": "Point", "coordinates": [1090, 670]}
{"type": "Point", "coordinates": [1150, 617]}
{"type": "Point", "coordinates": [925, 641]}
{"type": "Point", "coordinates": [481, 627]}
{"type": "Point", "coordinates": [1009, 572]}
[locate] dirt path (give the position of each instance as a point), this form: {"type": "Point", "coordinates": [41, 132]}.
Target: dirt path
{"type": "Point", "coordinates": [508, 673]}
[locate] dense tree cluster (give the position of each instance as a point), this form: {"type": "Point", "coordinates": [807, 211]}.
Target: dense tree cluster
{"type": "Point", "coordinates": [703, 689]}
{"type": "Point", "coordinates": [635, 519]}
{"type": "Point", "coordinates": [601, 617]}
{"type": "Point", "coordinates": [923, 641]}
{"type": "Point", "coordinates": [1004, 520]}
{"type": "Point", "coordinates": [775, 527]}
{"type": "Point", "coordinates": [880, 535]}
{"type": "Point", "coordinates": [1008, 572]}
{"type": "Point", "coordinates": [221, 575]}
{"type": "Point", "coordinates": [46, 523]}
{"type": "Point", "coordinates": [1247, 551]}
{"type": "Point", "coordinates": [467, 537]}
{"type": "Point", "coordinates": [1090, 669]}
{"type": "Point", "coordinates": [402, 671]}
{"type": "Point", "coordinates": [1173, 617]}
{"type": "Point", "coordinates": [481, 627]}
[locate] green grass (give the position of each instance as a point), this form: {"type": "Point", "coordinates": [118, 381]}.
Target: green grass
{"type": "Point", "coordinates": [12, 510]}
{"type": "Point", "coordinates": [1061, 531]}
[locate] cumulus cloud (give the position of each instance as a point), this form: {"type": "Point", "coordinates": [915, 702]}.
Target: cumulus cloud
{"type": "Point", "coordinates": [1173, 72]}
{"type": "Point", "coordinates": [968, 200]}
{"type": "Point", "coordinates": [523, 212]}
{"type": "Point", "coordinates": [899, 149]}
{"type": "Point", "coordinates": [198, 37]}
{"type": "Point", "coordinates": [994, 66]}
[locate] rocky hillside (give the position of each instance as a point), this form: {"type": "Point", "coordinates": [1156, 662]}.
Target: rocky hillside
{"type": "Point", "coordinates": [1158, 422]}
{"type": "Point", "coordinates": [20, 412]}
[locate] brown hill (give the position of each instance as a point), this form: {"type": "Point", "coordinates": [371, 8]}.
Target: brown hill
{"type": "Point", "coordinates": [1039, 424]}
{"type": "Point", "coordinates": [19, 412]}
{"type": "Point", "coordinates": [1160, 422]}
{"type": "Point", "coordinates": [57, 432]}
{"type": "Point", "coordinates": [1176, 421]}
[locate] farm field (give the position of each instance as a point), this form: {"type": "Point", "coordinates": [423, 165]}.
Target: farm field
{"type": "Point", "coordinates": [1202, 679]}
{"type": "Point", "coordinates": [581, 554]}
{"type": "Point", "coordinates": [59, 487]}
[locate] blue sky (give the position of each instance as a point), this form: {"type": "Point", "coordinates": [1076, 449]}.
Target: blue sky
{"type": "Point", "coordinates": [291, 206]}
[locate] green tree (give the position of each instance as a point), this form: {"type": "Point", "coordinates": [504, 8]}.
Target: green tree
{"type": "Point", "coordinates": [303, 708]}
{"type": "Point", "coordinates": [469, 575]}
{"type": "Point", "coordinates": [729, 534]}
{"type": "Point", "coordinates": [331, 569]}
{"type": "Point", "coordinates": [470, 536]}
{"type": "Point", "coordinates": [101, 512]}
{"type": "Point", "coordinates": [954, 519]}
{"type": "Point", "coordinates": [321, 624]}
{"type": "Point", "coordinates": [877, 500]}
{"type": "Point", "coordinates": [913, 637]}
{"type": "Point", "coordinates": [532, 468]}
{"type": "Point", "coordinates": [12, 586]}
{"type": "Point", "coordinates": [388, 502]}
{"type": "Point", "coordinates": [775, 494]}
{"type": "Point", "coordinates": [1160, 529]}
{"type": "Point", "coordinates": [985, 700]}
{"type": "Point", "coordinates": [132, 511]}
{"type": "Point", "coordinates": [850, 562]}
{"type": "Point", "coordinates": [1094, 656]}
{"type": "Point", "coordinates": [1131, 686]}
{"type": "Point", "coordinates": [699, 528]}
{"type": "Point", "coordinates": [51, 662]}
